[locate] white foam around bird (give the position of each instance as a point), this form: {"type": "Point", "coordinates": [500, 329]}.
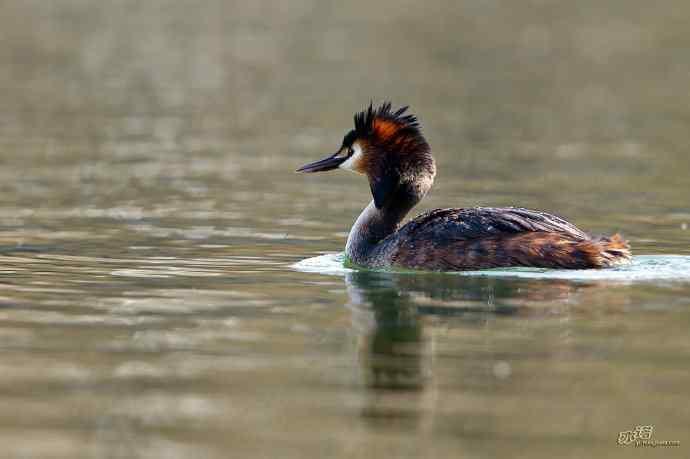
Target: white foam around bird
{"type": "Point", "coordinates": [643, 268]}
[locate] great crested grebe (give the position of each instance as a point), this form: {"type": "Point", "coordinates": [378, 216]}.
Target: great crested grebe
{"type": "Point", "coordinates": [388, 147]}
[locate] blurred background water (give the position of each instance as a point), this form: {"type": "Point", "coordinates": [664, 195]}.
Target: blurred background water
{"type": "Point", "coordinates": [150, 223]}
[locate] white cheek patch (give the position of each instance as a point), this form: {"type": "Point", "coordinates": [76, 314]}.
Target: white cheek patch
{"type": "Point", "coordinates": [351, 163]}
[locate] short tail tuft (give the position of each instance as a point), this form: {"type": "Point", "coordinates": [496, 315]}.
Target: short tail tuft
{"type": "Point", "coordinates": [614, 251]}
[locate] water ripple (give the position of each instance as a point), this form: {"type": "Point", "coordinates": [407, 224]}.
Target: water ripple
{"type": "Point", "coordinates": [643, 268]}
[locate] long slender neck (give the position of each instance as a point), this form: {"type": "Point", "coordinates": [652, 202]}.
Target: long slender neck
{"type": "Point", "coordinates": [373, 225]}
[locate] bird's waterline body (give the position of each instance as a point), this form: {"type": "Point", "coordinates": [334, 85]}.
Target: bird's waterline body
{"type": "Point", "coordinates": [388, 147]}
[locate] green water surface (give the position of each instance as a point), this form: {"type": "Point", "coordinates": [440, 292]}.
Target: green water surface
{"type": "Point", "coordinates": [152, 303]}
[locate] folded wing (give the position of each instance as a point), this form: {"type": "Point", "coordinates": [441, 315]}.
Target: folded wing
{"type": "Point", "coordinates": [487, 237]}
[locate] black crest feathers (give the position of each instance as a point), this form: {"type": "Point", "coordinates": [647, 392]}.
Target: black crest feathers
{"type": "Point", "coordinates": [364, 120]}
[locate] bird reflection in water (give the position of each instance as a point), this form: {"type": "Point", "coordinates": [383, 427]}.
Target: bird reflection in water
{"type": "Point", "coordinates": [391, 338]}
{"type": "Point", "coordinates": [400, 317]}
{"type": "Point", "coordinates": [395, 351]}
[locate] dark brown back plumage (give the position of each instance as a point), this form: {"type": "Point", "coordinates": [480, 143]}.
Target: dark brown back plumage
{"type": "Point", "coordinates": [480, 238]}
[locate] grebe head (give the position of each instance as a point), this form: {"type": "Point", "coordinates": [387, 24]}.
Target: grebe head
{"type": "Point", "coordinates": [388, 147]}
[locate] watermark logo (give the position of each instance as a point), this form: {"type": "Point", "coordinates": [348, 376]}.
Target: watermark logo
{"type": "Point", "coordinates": [642, 436]}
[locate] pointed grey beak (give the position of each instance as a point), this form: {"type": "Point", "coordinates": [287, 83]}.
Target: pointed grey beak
{"type": "Point", "coordinates": [326, 164]}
